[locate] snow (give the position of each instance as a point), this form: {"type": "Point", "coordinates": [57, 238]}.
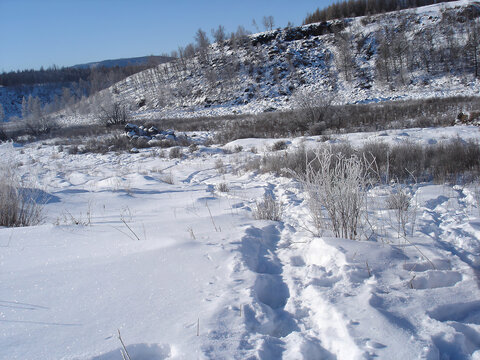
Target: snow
{"type": "Point", "coordinates": [121, 249]}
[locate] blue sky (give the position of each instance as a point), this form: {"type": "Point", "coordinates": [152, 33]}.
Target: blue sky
{"type": "Point", "coordinates": [36, 33]}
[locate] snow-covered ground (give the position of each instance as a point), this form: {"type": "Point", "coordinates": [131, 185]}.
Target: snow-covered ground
{"type": "Point", "coordinates": [184, 271]}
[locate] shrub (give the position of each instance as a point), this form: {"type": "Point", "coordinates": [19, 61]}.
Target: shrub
{"type": "Point", "coordinates": [39, 125]}
{"type": "Point", "coordinates": [3, 134]}
{"type": "Point", "coordinates": [220, 166]}
{"type": "Point", "coordinates": [286, 162]}
{"type": "Point", "coordinates": [453, 160]}
{"type": "Point", "coordinates": [19, 205]}
{"type": "Point", "coordinates": [238, 148]}
{"type": "Point", "coordinates": [115, 142]}
{"type": "Point", "coordinates": [175, 153]}
{"type": "Point", "coordinates": [222, 187]}
{"type": "Point", "coordinates": [317, 128]}
{"type": "Point", "coordinates": [168, 178]}
{"type": "Point", "coordinates": [113, 114]}
{"type": "Point", "coordinates": [268, 209]}
{"type": "Point", "coordinates": [279, 145]}
{"type": "Point", "coordinates": [337, 184]}
{"type": "Point", "coordinates": [192, 148]}
{"type": "Point", "coordinates": [73, 150]}
{"type": "Point", "coordinates": [399, 200]}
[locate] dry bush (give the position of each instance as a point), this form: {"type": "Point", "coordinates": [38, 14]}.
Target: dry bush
{"type": "Point", "coordinates": [312, 108]}
{"type": "Point", "coordinates": [168, 178]}
{"type": "Point", "coordinates": [39, 125]}
{"type": "Point", "coordinates": [268, 209]}
{"type": "Point", "coordinates": [115, 142]}
{"type": "Point", "coordinates": [3, 134]}
{"type": "Point", "coordinates": [20, 205]}
{"type": "Point", "coordinates": [222, 187]}
{"type": "Point", "coordinates": [336, 189]}
{"type": "Point", "coordinates": [220, 166]}
{"type": "Point", "coordinates": [113, 114]}
{"type": "Point", "coordinates": [456, 161]}
{"type": "Point", "coordinates": [281, 163]}
{"type": "Point", "coordinates": [175, 153]}
{"type": "Point", "coordinates": [400, 200]}
{"type": "Point", "coordinates": [192, 148]}
{"type": "Point", "coordinates": [279, 145]}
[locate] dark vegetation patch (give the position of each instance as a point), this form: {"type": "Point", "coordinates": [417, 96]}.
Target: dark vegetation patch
{"type": "Point", "coordinates": [455, 161]}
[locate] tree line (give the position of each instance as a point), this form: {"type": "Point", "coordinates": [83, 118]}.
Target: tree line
{"type": "Point", "coordinates": [353, 8]}
{"type": "Point", "coordinates": [91, 79]}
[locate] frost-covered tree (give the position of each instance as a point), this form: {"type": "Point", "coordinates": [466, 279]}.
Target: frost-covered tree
{"type": "Point", "coordinates": [2, 113]}
{"type": "Point", "coordinates": [24, 108]}
{"type": "Point", "coordinates": [36, 120]}
{"type": "Point", "coordinates": [35, 107]}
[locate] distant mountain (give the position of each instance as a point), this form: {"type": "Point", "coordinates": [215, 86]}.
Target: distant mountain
{"type": "Point", "coordinates": [142, 60]}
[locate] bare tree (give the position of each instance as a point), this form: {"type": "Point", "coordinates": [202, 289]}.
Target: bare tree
{"type": "Point", "coordinates": [189, 50]}
{"type": "Point", "coordinates": [241, 36]}
{"type": "Point", "coordinates": [345, 58]}
{"type": "Point", "coordinates": [114, 113]}
{"type": "Point", "coordinates": [473, 46]}
{"type": "Point", "coordinates": [219, 34]}
{"type": "Point", "coordinates": [2, 113]}
{"type": "Point", "coordinates": [384, 57]}
{"type": "Point", "coordinates": [401, 48]}
{"type": "Point", "coordinates": [312, 108]}
{"type": "Point", "coordinates": [255, 25]}
{"type": "Point", "coordinates": [268, 22]}
{"type": "Point", "coordinates": [203, 42]}
{"type": "Point", "coordinates": [110, 111]}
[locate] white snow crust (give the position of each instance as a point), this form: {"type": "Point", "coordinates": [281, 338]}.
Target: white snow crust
{"type": "Point", "coordinates": [185, 272]}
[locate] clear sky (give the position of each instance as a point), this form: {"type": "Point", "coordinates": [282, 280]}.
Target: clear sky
{"type": "Point", "coordinates": [35, 33]}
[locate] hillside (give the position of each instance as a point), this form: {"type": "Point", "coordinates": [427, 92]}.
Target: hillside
{"type": "Point", "coordinates": [50, 85]}
{"type": "Point", "coordinates": [409, 54]}
{"type": "Point", "coordinates": [11, 96]}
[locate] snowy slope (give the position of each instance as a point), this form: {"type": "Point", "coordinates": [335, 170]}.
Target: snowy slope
{"type": "Point", "coordinates": [185, 272]}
